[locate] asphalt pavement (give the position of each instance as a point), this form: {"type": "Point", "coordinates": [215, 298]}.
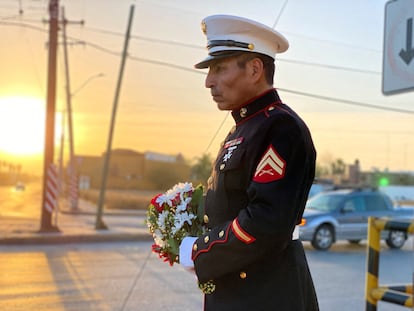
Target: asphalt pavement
{"type": "Point", "coordinates": [74, 226]}
{"type": "Point", "coordinates": [333, 271]}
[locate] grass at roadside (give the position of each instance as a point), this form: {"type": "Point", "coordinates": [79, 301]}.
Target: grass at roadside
{"type": "Point", "coordinates": [120, 199]}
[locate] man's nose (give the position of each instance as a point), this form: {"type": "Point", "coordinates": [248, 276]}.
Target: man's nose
{"type": "Point", "coordinates": [209, 82]}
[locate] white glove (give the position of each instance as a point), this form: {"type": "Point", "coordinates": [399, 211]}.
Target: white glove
{"type": "Point", "coordinates": [186, 250]}
{"type": "Point", "coordinates": [295, 235]}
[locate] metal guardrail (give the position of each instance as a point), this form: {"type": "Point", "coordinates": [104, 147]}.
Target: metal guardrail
{"type": "Point", "coordinates": [397, 294]}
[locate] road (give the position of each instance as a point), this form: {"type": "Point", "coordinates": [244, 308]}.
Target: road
{"type": "Point", "coordinates": [17, 203]}
{"type": "Point", "coordinates": [127, 276]}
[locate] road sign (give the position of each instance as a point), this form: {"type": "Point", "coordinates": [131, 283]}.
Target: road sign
{"type": "Point", "coordinates": [398, 53]}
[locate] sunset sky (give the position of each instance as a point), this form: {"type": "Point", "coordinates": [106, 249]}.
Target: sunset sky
{"type": "Point", "coordinates": [331, 75]}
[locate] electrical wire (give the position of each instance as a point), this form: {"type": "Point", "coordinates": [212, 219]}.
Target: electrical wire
{"type": "Point", "coordinates": [170, 65]}
{"type": "Point", "coordinates": [329, 66]}
{"type": "Point", "coordinates": [193, 46]}
{"type": "Point", "coordinates": [349, 102]}
{"type": "Point", "coordinates": [169, 42]}
{"type": "Point", "coordinates": [218, 130]}
{"type": "Point", "coordinates": [153, 40]}
{"type": "Point", "coordinates": [17, 24]}
{"type": "Point", "coordinates": [280, 14]}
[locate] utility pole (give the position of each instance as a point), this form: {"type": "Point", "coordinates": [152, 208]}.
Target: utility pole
{"type": "Point", "coordinates": [73, 188]}
{"type": "Point", "coordinates": [46, 219]}
{"type": "Point", "coordinates": [99, 224]}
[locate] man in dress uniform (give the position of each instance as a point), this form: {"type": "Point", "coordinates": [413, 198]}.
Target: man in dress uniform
{"type": "Point", "coordinates": [251, 258]}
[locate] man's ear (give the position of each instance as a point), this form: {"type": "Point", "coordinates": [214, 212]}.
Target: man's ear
{"type": "Point", "coordinates": [256, 68]}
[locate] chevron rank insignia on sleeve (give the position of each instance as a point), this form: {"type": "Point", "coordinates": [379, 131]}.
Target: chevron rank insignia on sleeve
{"type": "Point", "coordinates": [270, 168]}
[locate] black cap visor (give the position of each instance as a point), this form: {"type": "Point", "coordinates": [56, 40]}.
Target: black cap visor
{"type": "Point", "coordinates": [216, 56]}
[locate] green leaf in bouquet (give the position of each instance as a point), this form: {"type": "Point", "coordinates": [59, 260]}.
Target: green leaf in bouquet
{"type": "Point", "coordinates": [198, 202]}
{"type": "Point", "coordinates": [152, 219]}
{"type": "Point", "coordinates": [201, 211]}
{"type": "Point", "coordinates": [174, 246]}
{"type": "Point", "coordinates": [197, 195]}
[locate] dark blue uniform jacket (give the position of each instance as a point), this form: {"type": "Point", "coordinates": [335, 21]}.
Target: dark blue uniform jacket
{"type": "Point", "coordinates": [255, 198]}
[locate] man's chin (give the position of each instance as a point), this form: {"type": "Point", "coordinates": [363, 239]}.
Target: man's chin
{"type": "Point", "coordinates": [221, 106]}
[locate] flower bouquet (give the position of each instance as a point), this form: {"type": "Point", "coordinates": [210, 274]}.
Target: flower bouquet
{"type": "Point", "coordinates": [172, 216]}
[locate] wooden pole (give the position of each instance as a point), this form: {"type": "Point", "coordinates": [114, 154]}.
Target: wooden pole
{"type": "Point", "coordinates": [99, 224]}
{"type": "Point", "coordinates": [46, 219]}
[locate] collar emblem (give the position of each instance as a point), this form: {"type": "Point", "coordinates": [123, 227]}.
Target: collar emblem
{"type": "Point", "coordinates": [243, 112]}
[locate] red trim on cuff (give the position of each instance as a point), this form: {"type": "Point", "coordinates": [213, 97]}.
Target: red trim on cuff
{"type": "Point", "coordinates": [196, 253]}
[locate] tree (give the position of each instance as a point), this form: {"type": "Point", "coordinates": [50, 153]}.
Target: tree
{"type": "Point", "coordinates": [338, 168]}
{"type": "Point", "coordinates": [321, 171]}
{"type": "Point", "coordinates": [201, 170]}
{"type": "Point", "coordinates": [163, 175]}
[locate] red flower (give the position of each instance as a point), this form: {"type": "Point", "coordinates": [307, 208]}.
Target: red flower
{"type": "Point", "coordinates": [158, 207]}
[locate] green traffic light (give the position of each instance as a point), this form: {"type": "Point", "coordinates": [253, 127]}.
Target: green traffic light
{"type": "Point", "coordinates": [383, 181]}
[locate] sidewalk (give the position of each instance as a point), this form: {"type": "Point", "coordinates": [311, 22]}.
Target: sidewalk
{"type": "Point", "coordinates": [75, 226]}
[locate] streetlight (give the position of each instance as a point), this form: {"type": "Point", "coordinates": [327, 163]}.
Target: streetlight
{"type": "Point", "coordinates": [97, 75]}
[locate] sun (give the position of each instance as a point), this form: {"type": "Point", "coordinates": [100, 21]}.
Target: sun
{"type": "Point", "coordinates": [22, 125]}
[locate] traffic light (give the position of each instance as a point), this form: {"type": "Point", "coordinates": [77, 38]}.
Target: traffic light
{"type": "Point", "coordinates": [383, 181]}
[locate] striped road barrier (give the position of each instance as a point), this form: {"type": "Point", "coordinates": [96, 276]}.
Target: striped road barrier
{"type": "Point", "coordinates": [396, 294]}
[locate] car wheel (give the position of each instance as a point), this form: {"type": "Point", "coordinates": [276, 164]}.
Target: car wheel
{"type": "Point", "coordinates": [354, 241]}
{"type": "Point", "coordinates": [323, 238]}
{"type": "Point", "coordinates": [396, 239]}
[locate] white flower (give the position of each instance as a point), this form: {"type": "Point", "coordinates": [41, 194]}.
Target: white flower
{"type": "Point", "coordinates": [182, 218]}
{"type": "Point", "coordinates": [162, 218]}
{"type": "Point", "coordinates": [185, 187]}
{"type": "Point", "coordinates": [164, 198]}
{"type": "Point", "coordinates": [182, 207]}
{"type": "Point", "coordinates": [157, 235]}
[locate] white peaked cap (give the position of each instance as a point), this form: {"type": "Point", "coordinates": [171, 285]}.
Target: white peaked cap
{"type": "Point", "coordinates": [227, 35]}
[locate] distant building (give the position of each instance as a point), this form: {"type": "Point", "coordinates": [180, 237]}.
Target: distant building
{"type": "Point", "coordinates": [354, 172]}
{"type": "Point", "coordinates": [129, 169]}
{"type": "Point", "coordinates": [154, 156]}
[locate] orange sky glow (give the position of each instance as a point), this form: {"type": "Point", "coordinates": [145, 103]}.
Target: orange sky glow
{"type": "Point", "coordinates": [163, 104]}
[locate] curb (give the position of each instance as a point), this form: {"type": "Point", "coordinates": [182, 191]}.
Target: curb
{"type": "Point", "coordinates": [60, 238]}
{"type": "Point", "coordinates": [138, 213]}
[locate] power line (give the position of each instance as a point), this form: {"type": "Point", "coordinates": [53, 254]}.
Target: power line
{"type": "Point", "coordinates": [331, 42]}
{"type": "Point", "coordinates": [349, 102]}
{"type": "Point", "coordinates": [153, 40]}
{"type": "Point", "coordinates": [359, 131]}
{"type": "Point", "coordinates": [169, 42]}
{"type": "Point", "coordinates": [193, 46]}
{"type": "Point", "coordinates": [280, 14]}
{"type": "Point", "coordinates": [329, 66]}
{"type": "Point", "coordinates": [160, 63]}
{"type": "Point", "coordinates": [197, 71]}
{"type": "Point", "coordinates": [217, 131]}
{"type": "Point", "coordinates": [17, 24]}
{"type": "Point", "coordinates": [170, 65]}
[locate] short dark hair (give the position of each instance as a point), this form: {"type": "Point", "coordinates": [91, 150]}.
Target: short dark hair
{"type": "Point", "coordinates": [268, 64]}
